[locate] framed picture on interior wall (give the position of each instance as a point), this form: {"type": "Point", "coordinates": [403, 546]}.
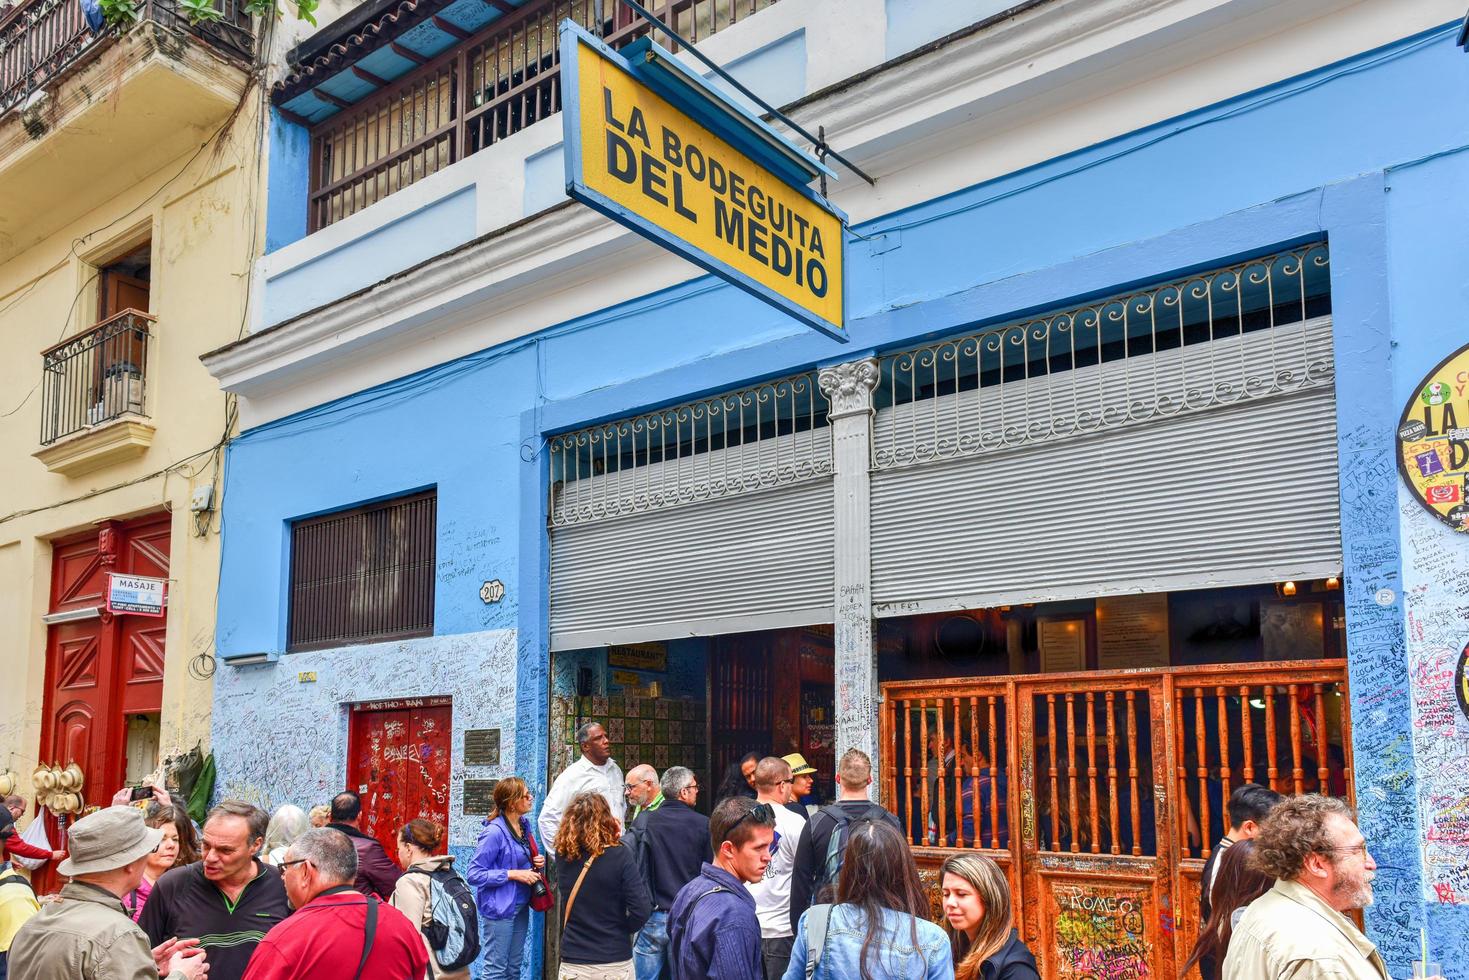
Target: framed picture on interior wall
{"type": "Point", "coordinates": [1292, 630]}
{"type": "Point", "coordinates": [1063, 644]}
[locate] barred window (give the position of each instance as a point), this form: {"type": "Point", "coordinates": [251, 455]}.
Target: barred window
{"type": "Point", "coordinates": [364, 574]}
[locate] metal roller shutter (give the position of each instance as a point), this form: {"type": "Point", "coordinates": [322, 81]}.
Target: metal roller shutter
{"type": "Point", "coordinates": [754, 560]}
{"type": "Point", "coordinates": [1228, 495]}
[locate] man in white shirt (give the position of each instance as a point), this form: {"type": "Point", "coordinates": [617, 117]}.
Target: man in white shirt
{"type": "Point", "coordinates": [594, 772]}
{"type": "Point", "coordinates": [773, 892]}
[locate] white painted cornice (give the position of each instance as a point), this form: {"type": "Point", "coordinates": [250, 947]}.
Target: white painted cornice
{"type": "Point", "coordinates": [1101, 68]}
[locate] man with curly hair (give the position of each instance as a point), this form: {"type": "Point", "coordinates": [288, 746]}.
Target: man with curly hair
{"type": "Point", "coordinates": [1299, 928]}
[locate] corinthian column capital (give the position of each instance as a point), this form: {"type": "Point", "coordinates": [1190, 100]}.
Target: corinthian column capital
{"type": "Point", "coordinates": [849, 386]}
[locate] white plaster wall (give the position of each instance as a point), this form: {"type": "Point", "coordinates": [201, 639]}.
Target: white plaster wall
{"type": "Point", "coordinates": [286, 741]}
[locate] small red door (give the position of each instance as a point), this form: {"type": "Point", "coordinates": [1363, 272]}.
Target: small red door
{"type": "Point", "coordinates": [398, 761]}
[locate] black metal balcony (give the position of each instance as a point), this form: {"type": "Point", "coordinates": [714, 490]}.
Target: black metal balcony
{"type": "Point", "coordinates": [40, 40]}
{"type": "Point", "coordinates": [97, 376]}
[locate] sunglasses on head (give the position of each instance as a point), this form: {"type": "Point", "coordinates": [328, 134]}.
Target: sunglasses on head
{"type": "Point", "coordinates": [764, 815]}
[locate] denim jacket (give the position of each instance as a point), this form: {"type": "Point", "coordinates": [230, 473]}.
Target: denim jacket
{"type": "Point", "coordinates": [893, 955]}
{"type": "Point", "coordinates": [496, 853]}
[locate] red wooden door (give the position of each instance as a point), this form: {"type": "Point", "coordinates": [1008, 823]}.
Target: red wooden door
{"type": "Point", "coordinates": [398, 761]}
{"type": "Point", "coordinates": [101, 668]}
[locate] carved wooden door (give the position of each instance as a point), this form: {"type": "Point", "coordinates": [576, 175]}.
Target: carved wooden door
{"type": "Point", "coordinates": [101, 667]}
{"type": "Point", "coordinates": [1096, 857]}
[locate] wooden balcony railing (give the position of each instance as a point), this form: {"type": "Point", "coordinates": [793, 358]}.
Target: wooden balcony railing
{"type": "Point", "coordinates": [96, 376]}
{"type": "Point", "coordinates": [41, 39]}
{"type": "Point", "coordinates": [492, 85]}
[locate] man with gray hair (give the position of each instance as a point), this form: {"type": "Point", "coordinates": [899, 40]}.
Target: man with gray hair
{"type": "Point", "coordinates": [643, 791]}
{"type": "Point", "coordinates": [595, 772]}
{"type": "Point", "coordinates": [228, 900]}
{"type": "Point", "coordinates": [673, 844]}
{"type": "Point", "coordinates": [336, 933]}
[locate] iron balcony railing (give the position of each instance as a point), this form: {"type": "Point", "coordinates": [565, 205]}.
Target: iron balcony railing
{"type": "Point", "coordinates": [42, 39]}
{"type": "Point", "coordinates": [96, 376]}
{"type": "Point", "coordinates": [490, 86]}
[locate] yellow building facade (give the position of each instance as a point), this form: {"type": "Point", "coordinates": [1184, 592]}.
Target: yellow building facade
{"type": "Point", "coordinates": [129, 215]}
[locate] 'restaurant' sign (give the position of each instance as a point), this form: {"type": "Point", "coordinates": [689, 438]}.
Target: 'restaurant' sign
{"type": "Point", "coordinates": [1433, 441]}
{"type": "Point", "coordinates": [135, 594]}
{"type": "Point", "coordinates": [703, 178]}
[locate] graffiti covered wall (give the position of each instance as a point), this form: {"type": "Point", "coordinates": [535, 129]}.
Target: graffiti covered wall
{"type": "Point", "coordinates": [287, 737]}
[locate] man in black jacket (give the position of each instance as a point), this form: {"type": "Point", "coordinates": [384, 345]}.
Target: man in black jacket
{"type": "Point", "coordinates": [672, 843]}
{"type": "Point", "coordinates": [376, 872]}
{"type": "Point", "coordinates": [854, 776]}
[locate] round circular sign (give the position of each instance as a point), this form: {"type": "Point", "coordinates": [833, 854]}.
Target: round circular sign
{"type": "Point", "coordinates": [1461, 682]}
{"type": "Point", "coordinates": [1433, 441]}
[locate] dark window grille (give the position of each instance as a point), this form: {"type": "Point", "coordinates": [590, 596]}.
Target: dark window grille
{"type": "Point", "coordinates": [491, 86]}
{"type": "Point", "coordinates": [364, 574]}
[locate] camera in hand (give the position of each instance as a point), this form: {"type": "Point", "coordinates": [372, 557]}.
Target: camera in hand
{"type": "Point", "coordinates": [140, 793]}
{"type": "Point", "coordinates": [539, 888]}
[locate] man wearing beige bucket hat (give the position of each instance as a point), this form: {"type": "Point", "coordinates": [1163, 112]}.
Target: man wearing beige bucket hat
{"type": "Point", "coordinates": [87, 935]}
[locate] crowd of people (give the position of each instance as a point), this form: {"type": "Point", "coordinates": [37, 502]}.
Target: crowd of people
{"type": "Point", "coordinates": [637, 884]}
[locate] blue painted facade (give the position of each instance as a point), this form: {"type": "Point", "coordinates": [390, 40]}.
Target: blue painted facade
{"type": "Point", "coordinates": [1370, 154]}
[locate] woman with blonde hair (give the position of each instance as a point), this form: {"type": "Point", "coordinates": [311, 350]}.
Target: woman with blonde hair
{"type": "Point", "coordinates": [506, 867]}
{"type": "Point", "coordinates": [981, 923]}
{"type": "Point", "coordinates": [321, 815]}
{"type": "Point", "coordinates": [604, 901]}
{"type": "Point", "coordinates": [286, 824]}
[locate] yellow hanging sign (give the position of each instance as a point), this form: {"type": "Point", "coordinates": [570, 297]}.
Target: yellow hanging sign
{"type": "Point", "coordinates": [643, 162]}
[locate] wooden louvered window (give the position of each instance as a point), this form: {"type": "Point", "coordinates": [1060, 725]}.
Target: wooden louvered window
{"type": "Point", "coordinates": [364, 575]}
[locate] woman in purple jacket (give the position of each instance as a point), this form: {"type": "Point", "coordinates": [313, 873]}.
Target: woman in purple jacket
{"type": "Point", "coordinates": [502, 873]}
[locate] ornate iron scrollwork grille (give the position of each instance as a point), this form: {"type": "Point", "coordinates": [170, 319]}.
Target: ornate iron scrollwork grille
{"type": "Point", "coordinates": [1248, 331]}
{"type": "Point", "coordinates": [763, 436]}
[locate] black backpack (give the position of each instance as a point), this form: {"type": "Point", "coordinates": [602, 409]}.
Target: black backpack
{"type": "Point", "coordinates": [453, 929]}
{"type": "Point", "coordinates": [635, 839]}
{"type": "Point", "coordinates": [836, 845]}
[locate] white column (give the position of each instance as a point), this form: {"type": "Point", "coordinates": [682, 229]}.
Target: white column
{"type": "Point", "coordinates": [848, 387]}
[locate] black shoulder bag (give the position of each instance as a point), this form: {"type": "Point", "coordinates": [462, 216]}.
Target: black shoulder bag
{"type": "Point", "coordinates": [369, 935]}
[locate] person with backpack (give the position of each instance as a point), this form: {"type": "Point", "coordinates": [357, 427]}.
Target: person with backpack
{"type": "Point", "coordinates": [507, 874]}
{"type": "Point", "coordinates": [879, 927]}
{"type": "Point", "coordinates": [672, 844]}
{"type": "Point", "coordinates": [604, 901]}
{"type": "Point", "coordinates": [336, 933]}
{"type": "Point", "coordinates": [823, 842]}
{"type": "Point", "coordinates": [17, 905]}
{"type": "Point", "coordinates": [437, 899]}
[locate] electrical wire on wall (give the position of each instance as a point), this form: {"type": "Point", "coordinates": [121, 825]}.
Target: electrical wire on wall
{"type": "Point", "coordinates": [215, 143]}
